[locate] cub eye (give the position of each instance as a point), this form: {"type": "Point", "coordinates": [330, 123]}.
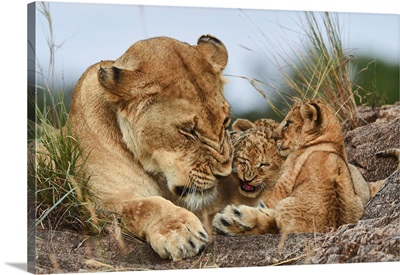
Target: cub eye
{"type": "Point", "coordinates": [227, 121]}
{"type": "Point", "coordinates": [263, 165]}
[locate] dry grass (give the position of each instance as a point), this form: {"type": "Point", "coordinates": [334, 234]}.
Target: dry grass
{"type": "Point", "coordinates": [58, 181]}
{"type": "Point", "coordinates": [317, 67]}
{"type": "Point", "coordinates": [58, 185]}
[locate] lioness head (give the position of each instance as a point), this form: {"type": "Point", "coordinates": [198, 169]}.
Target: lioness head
{"type": "Point", "coordinates": [307, 123]}
{"type": "Point", "coordinates": [256, 161]}
{"type": "Point", "coordinates": [172, 113]}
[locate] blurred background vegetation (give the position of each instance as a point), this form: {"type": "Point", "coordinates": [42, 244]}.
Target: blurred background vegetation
{"type": "Point", "coordinates": [379, 80]}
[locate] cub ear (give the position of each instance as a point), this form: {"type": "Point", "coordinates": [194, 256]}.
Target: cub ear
{"type": "Point", "coordinates": [311, 112]}
{"type": "Point", "coordinates": [214, 51]}
{"type": "Point", "coordinates": [235, 135]}
{"type": "Point", "coordinates": [242, 125]}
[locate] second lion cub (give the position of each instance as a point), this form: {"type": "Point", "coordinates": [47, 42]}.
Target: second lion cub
{"type": "Point", "coordinates": [315, 191]}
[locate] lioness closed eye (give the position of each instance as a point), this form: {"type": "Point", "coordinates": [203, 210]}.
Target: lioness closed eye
{"type": "Point", "coordinates": [153, 124]}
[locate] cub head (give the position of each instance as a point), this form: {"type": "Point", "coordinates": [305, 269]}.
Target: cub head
{"type": "Point", "coordinates": [256, 161]}
{"type": "Point", "coordinates": [168, 97]}
{"type": "Point", "coordinates": [307, 123]}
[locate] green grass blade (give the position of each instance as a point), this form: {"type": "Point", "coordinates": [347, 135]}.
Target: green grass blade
{"type": "Point", "coordinates": [39, 221]}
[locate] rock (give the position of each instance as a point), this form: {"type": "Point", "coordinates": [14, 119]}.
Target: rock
{"type": "Point", "coordinates": [362, 143]}
{"type": "Point", "coordinates": [384, 113]}
{"type": "Point", "coordinates": [63, 251]}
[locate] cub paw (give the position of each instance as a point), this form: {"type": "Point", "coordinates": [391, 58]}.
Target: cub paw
{"type": "Point", "coordinates": [179, 236]}
{"type": "Point", "coordinates": [245, 220]}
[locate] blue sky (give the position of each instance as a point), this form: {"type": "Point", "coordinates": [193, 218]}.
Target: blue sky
{"type": "Point", "coordinates": [93, 32]}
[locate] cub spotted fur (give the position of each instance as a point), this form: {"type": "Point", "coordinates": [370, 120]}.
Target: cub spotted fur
{"type": "Point", "coordinates": [153, 124]}
{"type": "Point", "coordinates": [255, 168]}
{"type": "Point", "coordinates": [315, 191]}
{"type": "Point", "coordinates": [256, 161]}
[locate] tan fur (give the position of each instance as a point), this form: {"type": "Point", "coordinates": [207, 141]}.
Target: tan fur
{"type": "Point", "coordinates": [361, 187]}
{"type": "Point", "coordinates": [315, 191]}
{"type": "Point", "coordinates": [153, 123]}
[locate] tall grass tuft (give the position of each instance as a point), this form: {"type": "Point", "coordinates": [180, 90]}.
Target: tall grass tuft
{"type": "Point", "coordinates": [62, 190]}
{"type": "Point", "coordinates": [57, 182]}
{"type": "Point", "coordinates": [319, 67]}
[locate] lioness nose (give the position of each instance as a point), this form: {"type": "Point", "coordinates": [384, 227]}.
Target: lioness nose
{"type": "Point", "coordinates": [222, 170]}
{"type": "Point", "coordinates": [223, 165]}
{"type": "Point", "coordinates": [222, 159]}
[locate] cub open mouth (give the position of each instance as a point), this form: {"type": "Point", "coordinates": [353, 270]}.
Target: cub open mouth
{"type": "Point", "coordinates": [247, 187]}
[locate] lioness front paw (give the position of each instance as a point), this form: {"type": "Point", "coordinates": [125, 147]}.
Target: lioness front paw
{"type": "Point", "coordinates": [179, 236]}
{"type": "Point", "coordinates": [243, 219]}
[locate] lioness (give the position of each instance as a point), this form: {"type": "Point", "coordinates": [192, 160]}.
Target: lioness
{"type": "Point", "coordinates": [154, 126]}
{"type": "Point", "coordinates": [315, 191]}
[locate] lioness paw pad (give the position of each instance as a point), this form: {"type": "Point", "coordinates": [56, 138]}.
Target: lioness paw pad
{"type": "Point", "coordinates": [180, 240]}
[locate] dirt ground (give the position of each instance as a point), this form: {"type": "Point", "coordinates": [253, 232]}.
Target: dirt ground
{"type": "Point", "coordinates": [375, 238]}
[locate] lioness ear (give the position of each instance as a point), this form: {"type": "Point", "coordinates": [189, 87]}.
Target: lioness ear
{"type": "Point", "coordinates": [113, 78]}
{"type": "Point", "coordinates": [108, 76]}
{"type": "Point", "coordinates": [214, 51]}
{"type": "Point", "coordinates": [311, 112]}
{"type": "Point", "coordinates": [242, 125]}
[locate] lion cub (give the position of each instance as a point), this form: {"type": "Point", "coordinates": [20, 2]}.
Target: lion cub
{"type": "Point", "coordinates": [315, 191]}
{"type": "Point", "coordinates": [255, 168]}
